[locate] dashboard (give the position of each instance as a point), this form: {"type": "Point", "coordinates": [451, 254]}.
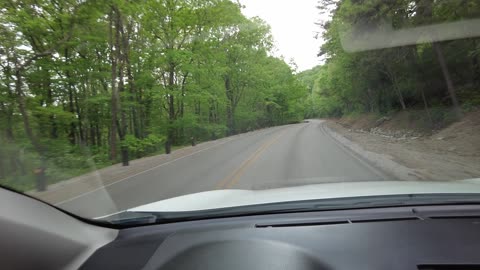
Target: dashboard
{"type": "Point", "coordinates": [426, 238]}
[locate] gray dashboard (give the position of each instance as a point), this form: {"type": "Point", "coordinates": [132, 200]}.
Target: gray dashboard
{"type": "Point", "coordinates": [34, 235]}
{"type": "Point", "coordinates": [434, 237]}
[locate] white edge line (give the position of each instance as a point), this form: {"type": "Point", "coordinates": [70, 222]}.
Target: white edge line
{"type": "Point", "coordinates": [362, 160]}
{"type": "Point", "coordinates": [158, 166]}
{"type": "Point", "coordinates": [136, 174]}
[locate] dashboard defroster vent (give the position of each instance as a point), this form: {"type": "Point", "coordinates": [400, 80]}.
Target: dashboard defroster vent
{"type": "Point", "coordinates": [333, 222]}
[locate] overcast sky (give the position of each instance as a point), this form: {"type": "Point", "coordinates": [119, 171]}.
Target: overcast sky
{"type": "Point", "coordinates": [293, 27]}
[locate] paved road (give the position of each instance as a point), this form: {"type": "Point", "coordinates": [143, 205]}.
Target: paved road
{"type": "Point", "coordinates": [276, 157]}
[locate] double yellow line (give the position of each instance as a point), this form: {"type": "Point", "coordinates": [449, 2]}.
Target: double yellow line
{"type": "Point", "coordinates": [232, 179]}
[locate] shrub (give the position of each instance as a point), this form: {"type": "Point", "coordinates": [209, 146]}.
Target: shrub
{"type": "Point", "coordinates": [141, 147]}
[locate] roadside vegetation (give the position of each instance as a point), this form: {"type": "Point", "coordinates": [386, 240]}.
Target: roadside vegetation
{"type": "Point", "coordinates": [434, 84]}
{"type": "Point", "coordinates": [85, 84]}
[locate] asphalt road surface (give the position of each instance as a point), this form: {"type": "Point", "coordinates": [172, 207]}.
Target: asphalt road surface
{"type": "Point", "coordinates": [283, 156]}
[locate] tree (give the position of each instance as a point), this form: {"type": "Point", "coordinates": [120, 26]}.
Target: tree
{"type": "Point", "coordinates": [92, 83]}
{"type": "Point", "coordinates": [393, 78]}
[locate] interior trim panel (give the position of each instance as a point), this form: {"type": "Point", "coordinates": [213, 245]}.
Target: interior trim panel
{"type": "Point", "coordinates": [34, 235]}
{"type": "Point", "coordinates": [382, 238]}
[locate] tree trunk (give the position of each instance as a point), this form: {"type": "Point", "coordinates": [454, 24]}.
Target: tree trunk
{"type": "Point", "coordinates": [9, 139]}
{"type": "Point", "coordinates": [476, 63]}
{"type": "Point", "coordinates": [71, 134]}
{"type": "Point", "coordinates": [231, 125]}
{"type": "Point", "coordinates": [400, 98]}
{"type": "Point", "coordinates": [171, 116]}
{"type": "Point", "coordinates": [9, 126]}
{"type": "Point", "coordinates": [448, 80]}
{"type": "Point", "coordinates": [41, 181]}
{"type": "Point", "coordinates": [3, 170]}
{"type": "Point", "coordinates": [414, 60]}
{"type": "Point", "coordinates": [123, 127]}
{"type": "Point", "coordinates": [230, 107]}
{"type": "Point", "coordinates": [71, 108]}
{"type": "Point", "coordinates": [211, 112]}
{"type": "Point", "coordinates": [399, 92]}
{"type": "Point", "coordinates": [425, 104]}
{"type": "Point", "coordinates": [390, 74]}
{"type": "Point", "coordinates": [370, 100]}
{"type": "Point", "coordinates": [182, 104]}
{"type": "Point", "coordinates": [171, 110]}
{"type": "Point", "coordinates": [131, 84]}
{"type": "Point", "coordinates": [92, 135]}
{"type": "Point", "coordinates": [51, 117]}
{"type": "Point", "coordinates": [82, 139]}
{"type": "Point", "coordinates": [99, 134]}
{"type": "Point", "coordinates": [425, 12]}
{"type": "Point", "coordinates": [113, 125]}
{"type": "Point", "coordinates": [121, 57]}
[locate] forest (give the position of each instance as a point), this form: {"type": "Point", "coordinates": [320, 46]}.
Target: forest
{"type": "Point", "coordinates": [85, 84]}
{"type": "Point", "coordinates": [439, 81]}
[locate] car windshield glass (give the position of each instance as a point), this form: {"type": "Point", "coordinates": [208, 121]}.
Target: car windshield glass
{"type": "Point", "coordinates": [167, 106]}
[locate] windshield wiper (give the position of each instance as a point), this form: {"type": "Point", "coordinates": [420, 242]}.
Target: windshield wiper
{"type": "Point", "coordinates": [128, 218]}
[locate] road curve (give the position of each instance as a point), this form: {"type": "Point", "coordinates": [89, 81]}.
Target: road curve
{"type": "Point", "coordinates": [289, 155]}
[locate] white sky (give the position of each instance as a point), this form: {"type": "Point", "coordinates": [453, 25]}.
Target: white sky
{"type": "Point", "coordinates": [293, 28]}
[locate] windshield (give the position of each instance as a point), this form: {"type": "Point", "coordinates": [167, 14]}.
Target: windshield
{"type": "Point", "coordinates": [178, 106]}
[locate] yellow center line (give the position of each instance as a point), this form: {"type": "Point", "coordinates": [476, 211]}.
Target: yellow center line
{"type": "Point", "coordinates": [233, 178]}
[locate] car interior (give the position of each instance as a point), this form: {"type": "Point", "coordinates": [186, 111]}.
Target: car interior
{"type": "Point", "coordinates": [36, 235]}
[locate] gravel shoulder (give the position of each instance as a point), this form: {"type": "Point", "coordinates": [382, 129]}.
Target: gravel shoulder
{"type": "Point", "coordinates": [450, 154]}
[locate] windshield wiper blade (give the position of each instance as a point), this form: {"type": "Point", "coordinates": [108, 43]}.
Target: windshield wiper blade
{"type": "Point", "coordinates": [128, 218]}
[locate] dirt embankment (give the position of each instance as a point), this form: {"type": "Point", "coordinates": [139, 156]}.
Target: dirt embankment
{"type": "Point", "coordinates": [448, 153]}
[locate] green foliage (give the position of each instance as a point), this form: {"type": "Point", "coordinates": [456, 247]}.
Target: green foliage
{"type": "Point", "coordinates": [100, 76]}
{"type": "Point", "coordinates": [397, 78]}
{"type": "Point", "coordinates": [141, 147]}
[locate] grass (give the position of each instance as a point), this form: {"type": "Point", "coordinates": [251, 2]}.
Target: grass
{"type": "Point", "coordinates": [66, 165]}
{"type": "Point", "coordinates": [56, 174]}
{"type": "Point", "coordinates": [26, 182]}
{"type": "Point", "coordinates": [162, 151]}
